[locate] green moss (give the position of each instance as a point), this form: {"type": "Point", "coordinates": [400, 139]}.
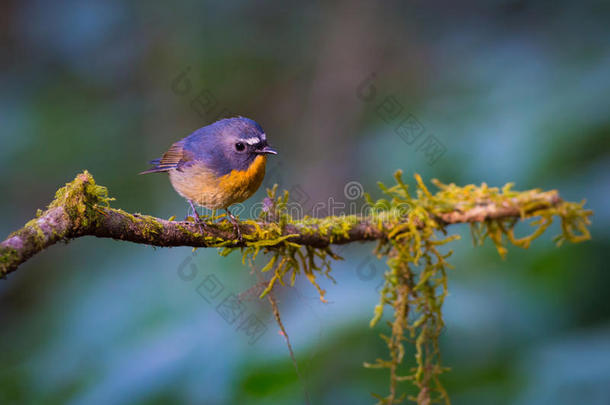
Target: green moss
{"type": "Point", "coordinates": [7, 254]}
{"type": "Point", "coordinates": [40, 236]}
{"type": "Point", "coordinates": [81, 199]}
{"type": "Point", "coordinates": [150, 226]}
{"type": "Point", "coordinates": [415, 284]}
{"type": "Point", "coordinates": [416, 281]}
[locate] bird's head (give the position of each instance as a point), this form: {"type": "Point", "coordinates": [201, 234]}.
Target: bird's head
{"type": "Point", "coordinates": [240, 140]}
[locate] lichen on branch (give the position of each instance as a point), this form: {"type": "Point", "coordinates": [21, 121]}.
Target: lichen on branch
{"type": "Point", "coordinates": [409, 228]}
{"type": "Point", "coordinates": [413, 228]}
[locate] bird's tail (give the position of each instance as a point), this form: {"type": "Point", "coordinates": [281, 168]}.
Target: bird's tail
{"type": "Point", "coordinates": [155, 168]}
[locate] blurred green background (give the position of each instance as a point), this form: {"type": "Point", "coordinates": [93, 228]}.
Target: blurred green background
{"type": "Point", "coordinates": [513, 90]}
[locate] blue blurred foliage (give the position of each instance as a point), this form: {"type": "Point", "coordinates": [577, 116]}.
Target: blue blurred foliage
{"type": "Point", "coordinates": [514, 90]}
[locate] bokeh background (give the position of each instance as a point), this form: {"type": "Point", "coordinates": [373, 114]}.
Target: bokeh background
{"type": "Point", "coordinates": [512, 90]}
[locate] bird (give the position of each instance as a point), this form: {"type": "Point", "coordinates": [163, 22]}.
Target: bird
{"type": "Point", "coordinates": [218, 165]}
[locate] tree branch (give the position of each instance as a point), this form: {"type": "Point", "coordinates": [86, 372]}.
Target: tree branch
{"type": "Point", "coordinates": [81, 208]}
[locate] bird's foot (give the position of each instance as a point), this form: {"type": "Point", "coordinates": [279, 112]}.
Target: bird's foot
{"type": "Point", "coordinates": [235, 226]}
{"type": "Point", "coordinates": [200, 223]}
{"type": "Point", "coordinates": [238, 232]}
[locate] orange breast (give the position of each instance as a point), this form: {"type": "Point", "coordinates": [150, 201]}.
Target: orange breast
{"type": "Point", "coordinates": [200, 185]}
{"type": "Point", "coordinates": [241, 184]}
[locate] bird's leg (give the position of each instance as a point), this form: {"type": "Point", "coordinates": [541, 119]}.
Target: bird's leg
{"type": "Point", "coordinates": [235, 225]}
{"type": "Point", "coordinates": [198, 220]}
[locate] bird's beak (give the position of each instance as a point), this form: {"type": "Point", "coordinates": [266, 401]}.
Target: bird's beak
{"type": "Point", "coordinates": [267, 150]}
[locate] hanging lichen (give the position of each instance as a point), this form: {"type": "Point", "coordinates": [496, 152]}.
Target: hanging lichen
{"type": "Point", "coordinates": [415, 284]}
{"type": "Point", "coordinates": [410, 229]}
{"type": "Point", "coordinates": [288, 259]}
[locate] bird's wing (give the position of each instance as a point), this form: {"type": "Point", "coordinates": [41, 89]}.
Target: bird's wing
{"type": "Point", "coordinates": [174, 158]}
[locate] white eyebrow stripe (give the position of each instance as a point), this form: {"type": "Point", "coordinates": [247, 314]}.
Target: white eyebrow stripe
{"type": "Point", "coordinates": [263, 136]}
{"type": "Point", "coordinates": [251, 141]}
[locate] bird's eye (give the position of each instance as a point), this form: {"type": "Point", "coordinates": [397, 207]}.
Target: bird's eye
{"type": "Point", "coordinates": [240, 147]}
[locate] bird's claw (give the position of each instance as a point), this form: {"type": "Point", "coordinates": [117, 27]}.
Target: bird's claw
{"type": "Point", "coordinates": [235, 226]}
{"type": "Point", "coordinates": [198, 220]}
{"type": "Point", "coordinates": [201, 225]}
{"type": "Point", "coordinates": [238, 232]}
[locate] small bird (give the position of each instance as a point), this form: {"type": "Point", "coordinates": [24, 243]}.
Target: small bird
{"type": "Point", "coordinates": [218, 165]}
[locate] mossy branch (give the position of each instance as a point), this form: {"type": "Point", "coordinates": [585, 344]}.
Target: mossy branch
{"type": "Point", "coordinates": [408, 229]}
{"type": "Point", "coordinates": [81, 208]}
